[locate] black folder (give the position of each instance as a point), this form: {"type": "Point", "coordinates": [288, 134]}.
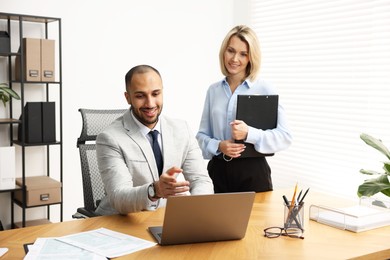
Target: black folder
{"type": "Point", "coordinates": [258, 111]}
{"type": "Point", "coordinates": [33, 121]}
{"type": "Point", "coordinates": [40, 123]}
{"type": "Point", "coordinates": [48, 122]}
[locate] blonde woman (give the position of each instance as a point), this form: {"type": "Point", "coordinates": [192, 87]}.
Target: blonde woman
{"type": "Point", "coordinates": [239, 58]}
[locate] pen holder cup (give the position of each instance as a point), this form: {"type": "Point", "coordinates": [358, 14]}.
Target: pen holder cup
{"type": "Point", "coordinates": [294, 216]}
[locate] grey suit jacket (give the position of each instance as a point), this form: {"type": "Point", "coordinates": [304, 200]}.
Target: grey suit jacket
{"type": "Point", "coordinates": [127, 165]}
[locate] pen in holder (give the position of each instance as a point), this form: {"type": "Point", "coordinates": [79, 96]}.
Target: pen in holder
{"type": "Point", "coordinates": [294, 216]}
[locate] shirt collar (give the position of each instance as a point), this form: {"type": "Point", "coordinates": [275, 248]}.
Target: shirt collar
{"type": "Point", "coordinates": [249, 84]}
{"type": "Point", "coordinates": [143, 128]}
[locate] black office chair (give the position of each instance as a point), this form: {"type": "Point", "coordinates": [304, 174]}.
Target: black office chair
{"type": "Point", "coordinates": [94, 121]}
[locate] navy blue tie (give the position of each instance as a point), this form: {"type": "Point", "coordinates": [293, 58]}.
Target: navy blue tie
{"type": "Point", "coordinates": [157, 151]}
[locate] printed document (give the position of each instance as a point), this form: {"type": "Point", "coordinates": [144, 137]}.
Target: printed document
{"type": "Point", "coordinates": [106, 242]}
{"type": "Point", "coordinates": [95, 244]}
{"type": "Point", "coordinates": [51, 248]}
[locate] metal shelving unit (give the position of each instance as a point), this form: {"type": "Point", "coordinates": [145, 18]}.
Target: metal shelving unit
{"type": "Point", "coordinates": [47, 24]}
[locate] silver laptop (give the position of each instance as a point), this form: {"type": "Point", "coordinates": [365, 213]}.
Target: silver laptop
{"type": "Point", "coordinates": [205, 218]}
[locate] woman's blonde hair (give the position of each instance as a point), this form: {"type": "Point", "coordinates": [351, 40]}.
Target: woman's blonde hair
{"type": "Point", "coordinates": [247, 35]}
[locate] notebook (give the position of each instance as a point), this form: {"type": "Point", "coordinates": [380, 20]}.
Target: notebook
{"type": "Point", "coordinates": [204, 218]}
{"type": "Point", "coordinates": [259, 111]}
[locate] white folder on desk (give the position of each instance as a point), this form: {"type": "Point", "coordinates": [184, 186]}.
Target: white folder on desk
{"type": "Point", "coordinates": [356, 218]}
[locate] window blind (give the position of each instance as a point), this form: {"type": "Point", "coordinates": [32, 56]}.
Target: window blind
{"type": "Point", "coordinates": [330, 62]}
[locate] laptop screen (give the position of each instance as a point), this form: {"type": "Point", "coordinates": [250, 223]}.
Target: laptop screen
{"type": "Point", "coordinates": [205, 218]}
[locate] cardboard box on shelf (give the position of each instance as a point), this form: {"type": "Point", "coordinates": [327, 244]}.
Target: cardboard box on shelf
{"type": "Point", "coordinates": [32, 60]}
{"type": "Point", "coordinates": [47, 60]}
{"type": "Point", "coordinates": [40, 190]}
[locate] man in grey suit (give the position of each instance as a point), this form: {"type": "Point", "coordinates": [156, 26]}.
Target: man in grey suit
{"type": "Point", "coordinates": [127, 161]}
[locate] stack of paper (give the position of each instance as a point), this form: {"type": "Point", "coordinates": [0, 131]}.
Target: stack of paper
{"type": "Point", "coordinates": [356, 218]}
{"type": "Point", "coordinates": [95, 244]}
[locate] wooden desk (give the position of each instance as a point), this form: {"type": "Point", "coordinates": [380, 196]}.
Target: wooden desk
{"type": "Point", "coordinates": [321, 241]}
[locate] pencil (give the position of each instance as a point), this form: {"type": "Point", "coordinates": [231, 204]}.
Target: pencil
{"type": "Point", "coordinates": [292, 201]}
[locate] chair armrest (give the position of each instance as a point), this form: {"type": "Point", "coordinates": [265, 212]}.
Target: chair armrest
{"type": "Point", "coordinates": [84, 213]}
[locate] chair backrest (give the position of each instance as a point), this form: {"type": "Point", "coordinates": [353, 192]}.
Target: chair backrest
{"type": "Point", "coordinates": [94, 121]}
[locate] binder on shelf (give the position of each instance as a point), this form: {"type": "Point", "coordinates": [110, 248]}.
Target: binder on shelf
{"type": "Point", "coordinates": [7, 168]}
{"type": "Point", "coordinates": [40, 126]}
{"type": "Point", "coordinates": [5, 46]}
{"type": "Point", "coordinates": [368, 214]}
{"type": "Point", "coordinates": [33, 123]}
{"type": "Point", "coordinates": [48, 122]}
{"type": "Point", "coordinates": [47, 60]}
{"type": "Point", "coordinates": [32, 60]}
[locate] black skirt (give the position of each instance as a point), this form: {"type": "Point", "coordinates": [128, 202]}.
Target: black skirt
{"type": "Point", "coordinates": [240, 174]}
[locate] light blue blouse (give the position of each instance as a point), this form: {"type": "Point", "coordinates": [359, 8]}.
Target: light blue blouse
{"type": "Point", "coordinates": [220, 109]}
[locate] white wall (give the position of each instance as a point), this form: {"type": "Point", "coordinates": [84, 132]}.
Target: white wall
{"type": "Point", "coordinates": [102, 40]}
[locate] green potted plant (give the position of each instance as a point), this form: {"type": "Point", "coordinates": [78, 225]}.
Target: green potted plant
{"type": "Point", "coordinates": [6, 93]}
{"type": "Point", "coordinates": [381, 182]}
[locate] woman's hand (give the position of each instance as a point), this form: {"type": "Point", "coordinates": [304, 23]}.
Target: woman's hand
{"type": "Point", "coordinates": [239, 130]}
{"type": "Point", "coordinates": [231, 149]}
